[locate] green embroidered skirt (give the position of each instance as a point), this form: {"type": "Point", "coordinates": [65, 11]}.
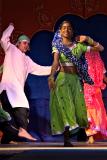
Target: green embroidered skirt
{"type": "Point", "coordinates": [67, 105]}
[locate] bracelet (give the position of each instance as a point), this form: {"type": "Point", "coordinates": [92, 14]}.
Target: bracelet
{"type": "Point", "coordinates": [90, 41]}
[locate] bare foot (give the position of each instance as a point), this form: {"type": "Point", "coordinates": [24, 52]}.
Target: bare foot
{"type": "Point", "coordinates": [13, 142]}
{"type": "Point", "coordinates": [90, 140]}
{"type": "Point", "coordinates": [23, 133]}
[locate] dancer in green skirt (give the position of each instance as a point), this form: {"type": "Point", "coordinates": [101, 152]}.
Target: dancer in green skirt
{"type": "Point", "coordinates": [67, 105]}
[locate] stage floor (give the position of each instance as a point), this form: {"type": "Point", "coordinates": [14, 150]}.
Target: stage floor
{"type": "Point", "coordinates": [52, 151]}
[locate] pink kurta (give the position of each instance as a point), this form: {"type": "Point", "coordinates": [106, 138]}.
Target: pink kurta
{"type": "Point", "coordinates": [16, 67]}
{"type": "Point", "coordinates": [93, 97]}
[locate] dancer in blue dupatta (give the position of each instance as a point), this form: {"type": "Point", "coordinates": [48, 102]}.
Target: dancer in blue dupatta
{"type": "Point", "coordinates": [67, 105]}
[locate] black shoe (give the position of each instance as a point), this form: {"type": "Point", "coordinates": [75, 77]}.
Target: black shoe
{"type": "Point", "coordinates": [67, 142]}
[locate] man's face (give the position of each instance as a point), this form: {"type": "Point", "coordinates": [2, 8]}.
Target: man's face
{"type": "Point", "coordinates": [23, 46]}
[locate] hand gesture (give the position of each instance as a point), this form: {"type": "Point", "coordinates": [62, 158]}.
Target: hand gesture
{"type": "Point", "coordinates": [51, 83]}
{"type": "Point", "coordinates": [81, 38]}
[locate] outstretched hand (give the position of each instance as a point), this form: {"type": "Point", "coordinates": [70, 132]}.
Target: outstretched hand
{"type": "Point", "coordinates": [81, 38]}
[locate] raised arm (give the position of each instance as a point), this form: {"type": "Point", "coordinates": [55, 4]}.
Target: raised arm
{"type": "Point", "coordinates": [95, 46]}
{"type": "Point", "coordinates": [5, 39]}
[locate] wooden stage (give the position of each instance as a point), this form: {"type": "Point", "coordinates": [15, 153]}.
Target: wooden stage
{"type": "Point", "coordinates": [53, 151]}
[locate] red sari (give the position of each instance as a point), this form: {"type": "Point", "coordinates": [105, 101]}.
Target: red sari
{"type": "Point", "coordinates": [93, 97]}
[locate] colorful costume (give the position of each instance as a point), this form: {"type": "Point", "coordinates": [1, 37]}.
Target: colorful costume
{"type": "Point", "coordinates": [93, 97]}
{"type": "Point", "coordinates": [76, 57]}
{"type": "Point", "coordinates": [67, 104]}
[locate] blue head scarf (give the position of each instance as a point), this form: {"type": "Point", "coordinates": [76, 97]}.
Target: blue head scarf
{"type": "Point", "coordinates": [80, 63]}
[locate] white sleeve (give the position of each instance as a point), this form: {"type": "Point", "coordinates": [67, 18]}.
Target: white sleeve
{"type": "Point", "coordinates": [37, 69]}
{"type": "Point", "coordinates": [5, 39]}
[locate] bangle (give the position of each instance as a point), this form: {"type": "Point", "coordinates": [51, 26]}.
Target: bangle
{"type": "Point", "coordinates": [90, 41]}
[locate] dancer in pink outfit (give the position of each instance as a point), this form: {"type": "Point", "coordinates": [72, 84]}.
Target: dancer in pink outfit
{"type": "Point", "coordinates": [93, 97]}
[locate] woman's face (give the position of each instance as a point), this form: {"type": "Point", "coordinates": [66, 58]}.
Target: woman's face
{"type": "Point", "coordinates": [66, 30]}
